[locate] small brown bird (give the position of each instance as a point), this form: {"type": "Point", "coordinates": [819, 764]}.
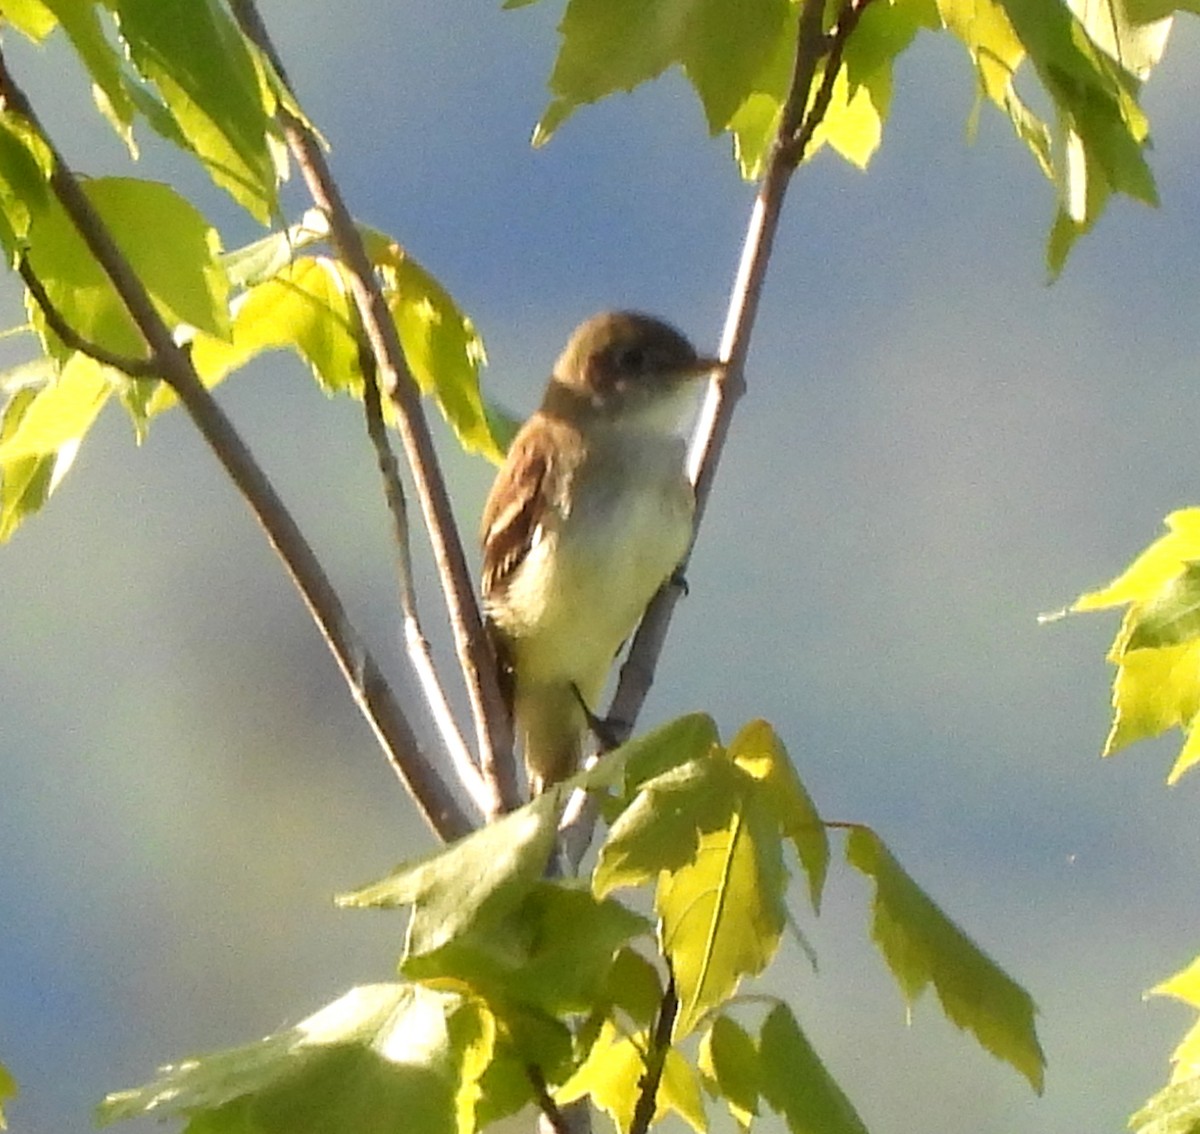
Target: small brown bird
{"type": "Point", "coordinates": [589, 515]}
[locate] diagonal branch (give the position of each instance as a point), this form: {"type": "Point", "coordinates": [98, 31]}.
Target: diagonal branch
{"type": "Point", "coordinates": [474, 651]}
{"type": "Point", "coordinates": [370, 690]}
{"type": "Point", "coordinates": [414, 637]}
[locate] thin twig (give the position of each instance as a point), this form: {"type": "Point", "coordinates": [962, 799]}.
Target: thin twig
{"type": "Point", "coordinates": [795, 149]}
{"type": "Point", "coordinates": [727, 386]}
{"type": "Point", "coordinates": [552, 1113]}
{"type": "Point", "coordinates": [370, 690]}
{"type": "Point", "coordinates": [417, 645]}
{"type": "Point", "coordinates": [656, 1060]}
{"type": "Point", "coordinates": [57, 322]}
{"type": "Point", "coordinates": [475, 654]}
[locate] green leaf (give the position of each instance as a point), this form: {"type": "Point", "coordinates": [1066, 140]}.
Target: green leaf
{"type": "Point", "coordinates": [31, 17]}
{"type": "Point", "coordinates": [660, 830]}
{"type": "Point", "coordinates": [611, 1075]}
{"type": "Point", "coordinates": [25, 167]}
{"type": "Point", "coordinates": [1174, 1110]}
{"type": "Point", "coordinates": [615, 45]}
{"type": "Point", "coordinates": [306, 306]}
{"type": "Point", "coordinates": [169, 245]}
{"type": "Point", "coordinates": [722, 48]}
{"type": "Point", "coordinates": [758, 750]}
{"type": "Point", "coordinates": [1147, 11]}
{"type": "Point", "coordinates": [475, 882]}
{"type": "Point", "coordinates": [1104, 131]}
{"type": "Point", "coordinates": [1171, 617]}
{"type": "Point", "coordinates": [922, 946]}
{"type": "Point", "coordinates": [634, 987]}
{"type": "Point", "coordinates": [383, 1057]}
{"type": "Point", "coordinates": [214, 85]}
{"type": "Point", "coordinates": [1155, 688]}
{"type": "Point", "coordinates": [41, 429]}
{"type": "Point", "coordinates": [686, 738]}
{"type": "Point", "coordinates": [1136, 43]}
{"type": "Point", "coordinates": [722, 914]}
{"type": "Point", "coordinates": [795, 1082]}
{"type": "Point", "coordinates": [729, 1067]}
{"type": "Point", "coordinates": [264, 259]}
{"type": "Point", "coordinates": [441, 346]}
{"type": "Point", "coordinates": [8, 1090]}
{"type": "Point", "coordinates": [554, 952]}
{"type": "Point", "coordinates": [59, 413]}
{"type": "Point", "coordinates": [997, 53]}
{"type": "Point", "coordinates": [1183, 985]}
{"type": "Point", "coordinates": [111, 87]}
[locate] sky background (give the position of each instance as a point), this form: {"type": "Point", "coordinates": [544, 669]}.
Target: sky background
{"type": "Point", "coordinates": [935, 446]}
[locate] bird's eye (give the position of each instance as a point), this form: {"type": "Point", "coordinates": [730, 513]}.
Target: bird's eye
{"type": "Point", "coordinates": [632, 359]}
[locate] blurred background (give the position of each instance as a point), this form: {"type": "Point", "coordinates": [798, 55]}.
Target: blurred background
{"type": "Point", "coordinates": [935, 447]}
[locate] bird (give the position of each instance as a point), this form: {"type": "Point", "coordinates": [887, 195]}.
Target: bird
{"type": "Point", "coordinates": [590, 513]}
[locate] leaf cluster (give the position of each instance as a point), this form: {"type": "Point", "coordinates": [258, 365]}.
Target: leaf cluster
{"type": "Point", "coordinates": [1156, 652]}
{"type": "Point", "coordinates": [1087, 62]}
{"type": "Point", "coordinates": [515, 986]}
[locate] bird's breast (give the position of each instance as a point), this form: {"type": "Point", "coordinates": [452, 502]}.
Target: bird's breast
{"type": "Point", "coordinates": [624, 525]}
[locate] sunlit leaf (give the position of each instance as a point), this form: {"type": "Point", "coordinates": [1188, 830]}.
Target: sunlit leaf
{"type": "Point", "coordinates": [660, 830]}
{"type": "Point", "coordinates": [1183, 985]}
{"type": "Point", "coordinates": [383, 1057]}
{"type": "Point", "coordinates": [611, 1075]}
{"type": "Point", "coordinates": [8, 1090]}
{"type": "Point", "coordinates": [170, 246]}
{"type": "Point", "coordinates": [441, 346]}
{"type": "Point", "coordinates": [32, 18]}
{"type": "Point", "coordinates": [305, 306]}
{"type": "Point", "coordinates": [25, 167]}
{"type": "Point", "coordinates": [61, 411]}
{"type": "Point", "coordinates": [1104, 131]}
{"type": "Point", "coordinates": [1153, 568]}
{"type": "Point", "coordinates": [758, 750]}
{"type": "Point", "coordinates": [922, 946]}
{"type": "Point", "coordinates": [259, 261]}
{"type": "Point", "coordinates": [1172, 616]}
{"type": "Point", "coordinates": [722, 914]}
{"type": "Point", "coordinates": [214, 86]}
{"type": "Point", "coordinates": [795, 1082]}
{"type": "Point", "coordinates": [41, 428]}
{"type": "Point", "coordinates": [1157, 684]}
{"type": "Point", "coordinates": [113, 91]}
{"type": "Point", "coordinates": [1137, 44]}
{"type": "Point", "coordinates": [1174, 1110]}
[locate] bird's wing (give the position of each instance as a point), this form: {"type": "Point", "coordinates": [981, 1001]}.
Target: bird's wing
{"type": "Point", "coordinates": [526, 491]}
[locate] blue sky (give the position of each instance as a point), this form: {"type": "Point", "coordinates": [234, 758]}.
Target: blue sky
{"type": "Point", "coordinates": [935, 447]}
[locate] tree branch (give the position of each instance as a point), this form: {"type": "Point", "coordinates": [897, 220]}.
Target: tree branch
{"type": "Point", "coordinates": [367, 684]}
{"type": "Point", "coordinates": [474, 651]}
{"type": "Point", "coordinates": [727, 386]}
{"type": "Point", "coordinates": [134, 367]}
{"type": "Point", "coordinates": [553, 1116]}
{"type": "Point", "coordinates": [656, 1060]}
{"type": "Point", "coordinates": [417, 645]}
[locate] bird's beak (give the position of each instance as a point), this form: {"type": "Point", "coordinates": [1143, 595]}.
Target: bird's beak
{"type": "Point", "coordinates": [705, 365]}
